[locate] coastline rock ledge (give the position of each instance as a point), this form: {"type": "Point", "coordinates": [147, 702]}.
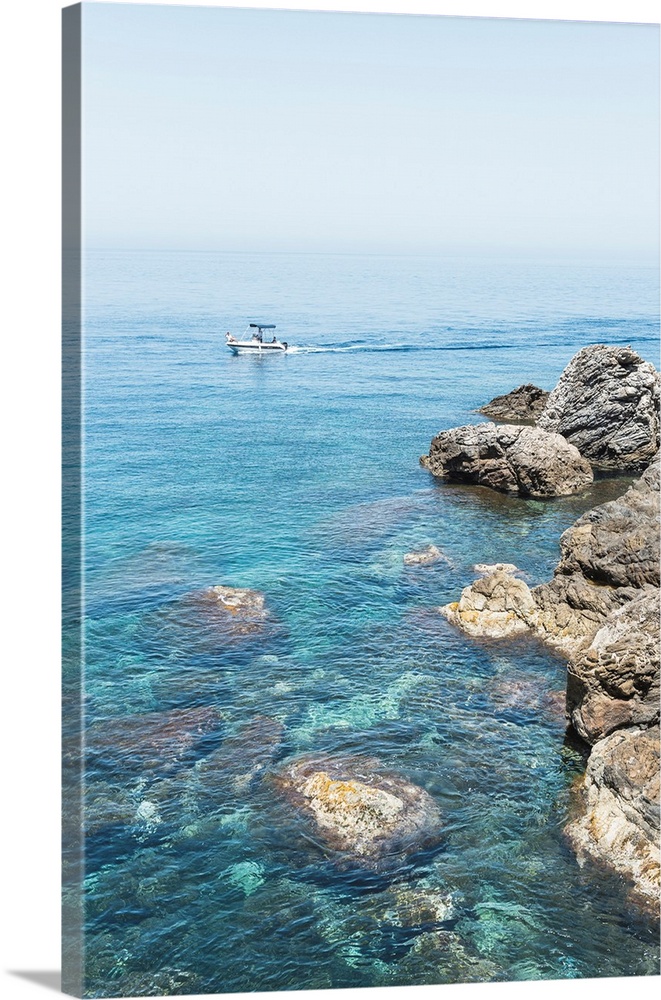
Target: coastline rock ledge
{"type": "Point", "coordinates": [524, 460]}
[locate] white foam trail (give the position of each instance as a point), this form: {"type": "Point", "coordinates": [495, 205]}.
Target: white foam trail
{"type": "Point", "coordinates": [309, 349]}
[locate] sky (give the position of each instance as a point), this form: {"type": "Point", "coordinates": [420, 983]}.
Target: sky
{"type": "Point", "coordinates": [229, 129]}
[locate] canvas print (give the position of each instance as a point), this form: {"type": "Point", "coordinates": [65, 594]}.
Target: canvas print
{"type": "Point", "coordinates": [361, 494]}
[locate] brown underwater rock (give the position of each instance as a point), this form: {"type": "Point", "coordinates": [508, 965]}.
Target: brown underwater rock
{"type": "Point", "coordinates": [606, 403]}
{"type": "Point", "coordinates": [523, 460]}
{"type": "Point", "coordinates": [521, 406]}
{"type": "Point", "coordinates": [156, 742]}
{"type": "Point", "coordinates": [358, 809]}
{"type": "Point", "coordinates": [614, 683]}
{"type": "Point", "coordinates": [618, 810]}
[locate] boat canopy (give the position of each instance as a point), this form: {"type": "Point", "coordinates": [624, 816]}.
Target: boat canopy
{"type": "Point", "coordinates": [263, 326]}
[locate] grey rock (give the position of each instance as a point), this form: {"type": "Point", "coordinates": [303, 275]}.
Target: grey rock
{"type": "Point", "coordinates": [521, 406]}
{"type": "Point", "coordinates": [617, 820]}
{"type": "Point", "coordinates": [607, 557]}
{"type": "Point", "coordinates": [617, 543]}
{"type": "Point", "coordinates": [570, 609]}
{"type": "Point", "coordinates": [607, 404]}
{"type": "Point", "coordinates": [523, 460]}
{"type": "Point", "coordinates": [614, 683]}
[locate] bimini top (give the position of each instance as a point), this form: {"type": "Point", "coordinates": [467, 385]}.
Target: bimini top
{"type": "Point", "coordinates": [263, 326]}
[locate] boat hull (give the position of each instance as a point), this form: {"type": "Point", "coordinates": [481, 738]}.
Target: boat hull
{"type": "Point", "coordinates": [247, 347]}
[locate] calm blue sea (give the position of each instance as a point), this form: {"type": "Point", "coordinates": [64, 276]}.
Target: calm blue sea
{"type": "Point", "coordinates": [298, 475]}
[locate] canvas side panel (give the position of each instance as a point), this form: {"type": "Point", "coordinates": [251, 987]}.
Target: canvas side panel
{"type": "Point", "coordinates": [72, 619]}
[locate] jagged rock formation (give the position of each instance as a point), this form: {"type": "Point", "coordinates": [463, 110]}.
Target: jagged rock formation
{"type": "Point", "coordinates": [607, 557]}
{"type": "Point", "coordinates": [602, 606]}
{"type": "Point", "coordinates": [358, 809]}
{"type": "Point", "coordinates": [614, 683]}
{"type": "Point", "coordinates": [485, 568]}
{"type": "Point", "coordinates": [618, 809]}
{"type": "Point", "coordinates": [523, 460]}
{"type": "Point", "coordinates": [607, 404]}
{"type": "Point", "coordinates": [521, 406]}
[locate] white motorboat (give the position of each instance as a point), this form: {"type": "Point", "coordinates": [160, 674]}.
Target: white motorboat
{"type": "Point", "coordinates": [255, 341]}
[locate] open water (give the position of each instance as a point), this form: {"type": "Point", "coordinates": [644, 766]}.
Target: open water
{"type": "Point", "coordinates": [298, 475]}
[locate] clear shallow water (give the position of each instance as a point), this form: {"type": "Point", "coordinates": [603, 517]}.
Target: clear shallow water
{"type": "Point", "coordinates": [299, 476]}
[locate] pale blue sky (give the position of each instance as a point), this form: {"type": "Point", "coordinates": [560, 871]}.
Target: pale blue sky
{"type": "Point", "coordinates": [210, 128]}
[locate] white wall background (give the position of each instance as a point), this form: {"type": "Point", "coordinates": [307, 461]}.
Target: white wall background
{"type": "Point", "coordinates": [29, 497]}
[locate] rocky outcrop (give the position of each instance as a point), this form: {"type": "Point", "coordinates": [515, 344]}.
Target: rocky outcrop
{"type": "Point", "coordinates": [614, 683]}
{"type": "Point", "coordinates": [608, 558]}
{"type": "Point", "coordinates": [521, 406]}
{"type": "Point", "coordinates": [495, 606]}
{"type": "Point", "coordinates": [606, 403]}
{"type": "Point", "coordinates": [354, 807]}
{"type": "Point", "coordinates": [510, 459]}
{"type": "Point", "coordinates": [602, 610]}
{"type": "Point", "coordinates": [618, 809]}
{"type": "Point", "coordinates": [602, 606]}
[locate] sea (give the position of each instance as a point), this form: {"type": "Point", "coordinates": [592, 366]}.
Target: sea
{"type": "Point", "coordinates": [298, 476]}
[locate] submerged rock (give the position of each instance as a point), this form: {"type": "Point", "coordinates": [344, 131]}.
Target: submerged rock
{"type": "Point", "coordinates": [157, 742]}
{"type": "Point", "coordinates": [241, 609]}
{"type": "Point", "coordinates": [614, 683]}
{"type": "Point", "coordinates": [425, 557]}
{"type": "Point", "coordinates": [526, 694]}
{"type": "Point", "coordinates": [521, 406]}
{"type": "Point", "coordinates": [606, 403]}
{"type": "Point", "coordinates": [226, 777]}
{"type": "Point", "coordinates": [221, 615]}
{"type": "Point", "coordinates": [241, 758]}
{"type": "Point", "coordinates": [495, 606]}
{"type": "Point", "coordinates": [358, 809]}
{"type": "Point", "coordinates": [523, 460]}
{"type": "Point", "coordinates": [618, 821]}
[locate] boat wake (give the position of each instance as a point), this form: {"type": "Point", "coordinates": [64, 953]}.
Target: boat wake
{"type": "Point", "coordinates": [361, 346]}
{"type": "Point", "coordinates": [384, 348]}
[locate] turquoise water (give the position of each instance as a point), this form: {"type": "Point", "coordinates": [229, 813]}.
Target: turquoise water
{"type": "Point", "coordinates": [298, 476]}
